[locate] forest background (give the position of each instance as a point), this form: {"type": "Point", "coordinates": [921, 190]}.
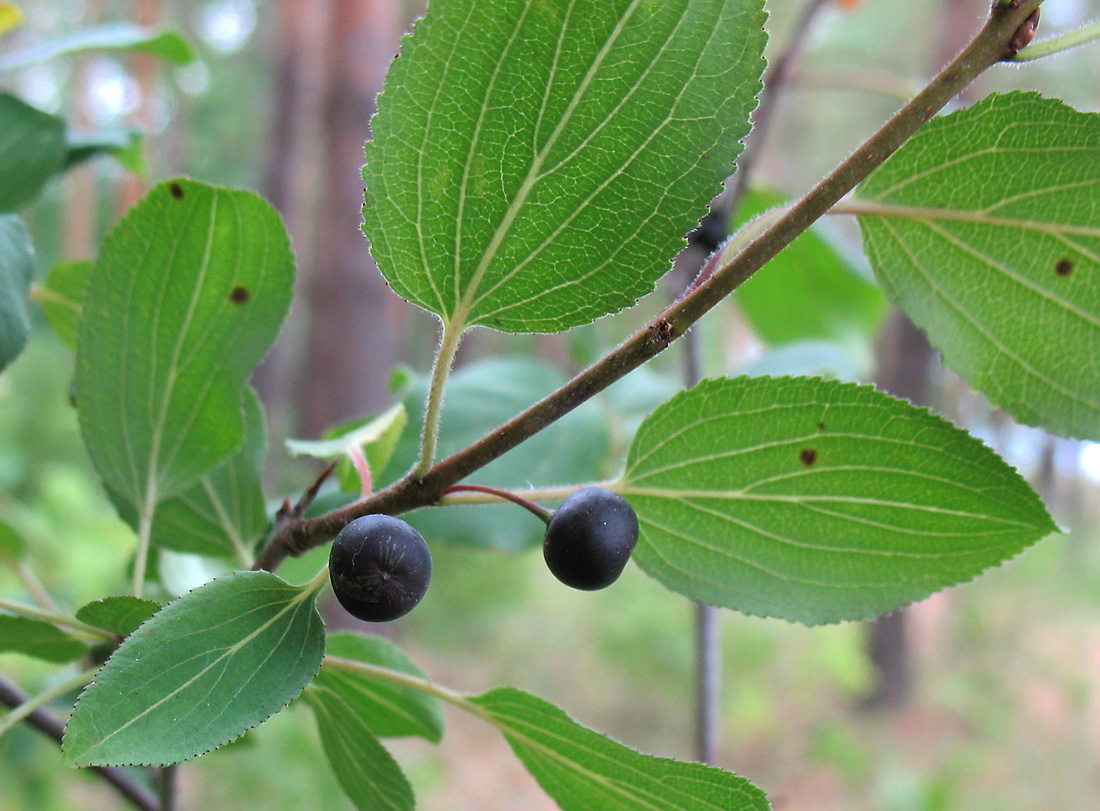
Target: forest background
{"type": "Point", "coordinates": [993, 699]}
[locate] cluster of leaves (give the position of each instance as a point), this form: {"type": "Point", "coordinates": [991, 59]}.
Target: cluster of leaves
{"type": "Point", "coordinates": [534, 167]}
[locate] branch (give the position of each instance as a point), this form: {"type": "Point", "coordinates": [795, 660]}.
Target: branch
{"type": "Point", "coordinates": [46, 722]}
{"type": "Point", "coordinates": [991, 45]}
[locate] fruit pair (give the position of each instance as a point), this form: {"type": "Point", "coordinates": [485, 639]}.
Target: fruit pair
{"type": "Point", "coordinates": [380, 566]}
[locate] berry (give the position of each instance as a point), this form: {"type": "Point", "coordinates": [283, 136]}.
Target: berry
{"type": "Point", "coordinates": [380, 568]}
{"type": "Point", "coordinates": [589, 538]}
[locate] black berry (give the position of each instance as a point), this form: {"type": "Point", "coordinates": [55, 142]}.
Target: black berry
{"type": "Point", "coordinates": [380, 568]}
{"type": "Point", "coordinates": [589, 538]}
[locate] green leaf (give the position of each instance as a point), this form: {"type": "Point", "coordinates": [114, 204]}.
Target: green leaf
{"type": "Point", "coordinates": [209, 666]}
{"type": "Point", "coordinates": [481, 396]}
{"type": "Point", "coordinates": [126, 145]}
{"type": "Point", "coordinates": [188, 293]}
{"type": "Point", "coordinates": [119, 38]}
{"type": "Point", "coordinates": [224, 514]}
{"type": "Point", "coordinates": [367, 773]}
{"type": "Point", "coordinates": [985, 229]}
{"type": "Point", "coordinates": [376, 437]}
{"type": "Point", "coordinates": [536, 163]}
{"type": "Point", "coordinates": [818, 501]}
{"type": "Point", "coordinates": [389, 710]}
{"type": "Point", "coordinates": [583, 770]}
{"type": "Point", "coordinates": [39, 639]}
{"type": "Point", "coordinates": [32, 150]}
{"type": "Point", "coordinates": [809, 291]}
{"type": "Point", "coordinates": [12, 546]}
{"type": "Point", "coordinates": [62, 296]}
{"type": "Point", "coordinates": [16, 270]}
{"type": "Point", "coordinates": [120, 614]}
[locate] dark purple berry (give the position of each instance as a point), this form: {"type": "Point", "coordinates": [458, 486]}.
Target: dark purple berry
{"type": "Point", "coordinates": [589, 538]}
{"type": "Point", "coordinates": [380, 568]}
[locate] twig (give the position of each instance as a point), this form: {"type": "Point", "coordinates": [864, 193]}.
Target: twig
{"type": "Point", "coordinates": [47, 723]}
{"type": "Point", "coordinates": [708, 654]}
{"type": "Point", "coordinates": [990, 46]}
{"type": "Point", "coordinates": [537, 510]}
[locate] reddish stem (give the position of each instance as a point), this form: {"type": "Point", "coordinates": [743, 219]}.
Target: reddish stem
{"type": "Point", "coordinates": [537, 509]}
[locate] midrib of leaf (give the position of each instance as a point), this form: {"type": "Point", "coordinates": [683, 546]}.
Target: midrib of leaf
{"type": "Point", "coordinates": [779, 443]}
{"type": "Point", "coordinates": [466, 704]}
{"type": "Point", "coordinates": [599, 189]}
{"type": "Point", "coordinates": [229, 653]}
{"type": "Point", "coordinates": [147, 508]}
{"type": "Point", "coordinates": [632, 793]}
{"type": "Point", "coordinates": [533, 173]}
{"type": "Point", "coordinates": [396, 709]}
{"type": "Point", "coordinates": [44, 294]}
{"type": "Point", "coordinates": [346, 752]}
{"type": "Point", "coordinates": [225, 522]}
{"type": "Point", "coordinates": [977, 325]}
{"type": "Point", "coordinates": [875, 208]}
{"type": "Point", "coordinates": [744, 495]}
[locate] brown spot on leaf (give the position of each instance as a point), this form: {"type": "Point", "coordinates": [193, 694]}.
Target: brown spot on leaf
{"type": "Point", "coordinates": [177, 190]}
{"type": "Point", "coordinates": [239, 295]}
{"type": "Point", "coordinates": [821, 426]}
{"type": "Point", "coordinates": [808, 456]}
{"type": "Point", "coordinates": [1064, 267]}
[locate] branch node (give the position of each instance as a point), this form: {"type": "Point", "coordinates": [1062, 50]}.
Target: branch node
{"type": "Point", "coordinates": [1024, 35]}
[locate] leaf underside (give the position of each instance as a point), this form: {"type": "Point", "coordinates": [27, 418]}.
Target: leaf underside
{"type": "Point", "coordinates": [188, 293]}
{"type": "Point", "coordinates": [536, 163]}
{"type": "Point", "coordinates": [818, 501]}
{"type": "Point", "coordinates": [985, 229]}
{"type": "Point", "coordinates": [16, 270]}
{"type": "Point", "coordinates": [367, 773]}
{"type": "Point", "coordinates": [208, 667]}
{"type": "Point", "coordinates": [390, 710]}
{"type": "Point", "coordinates": [583, 770]}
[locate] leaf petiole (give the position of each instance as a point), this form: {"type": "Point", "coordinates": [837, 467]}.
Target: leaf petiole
{"type": "Point", "coordinates": [55, 618]}
{"type": "Point", "coordinates": [17, 714]}
{"type": "Point", "coordinates": [1062, 42]}
{"type": "Point", "coordinates": [536, 509]}
{"type": "Point", "coordinates": [441, 368]}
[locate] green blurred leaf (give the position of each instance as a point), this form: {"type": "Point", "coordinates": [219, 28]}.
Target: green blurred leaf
{"type": "Point", "coordinates": [375, 436]}
{"type": "Point", "coordinates": [808, 291]}
{"type": "Point", "coordinates": [39, 639]}
{"type": "Point", "coordinates": [811, 358]}
{"type": "Point", "coordinates": [367, 773]}
{"type": "Point", "coordinates": [547, 176]}
{"type": "Point", "coordinates": [818, 501]}
{"type": "Point", "coordinates": [16, 270]}
{"type": "Point", "coordinates": [389, 710]}
{"type": "Point", "coordinates": [121, 614]}
{"type": "Point", "coordinates": [189, 291]}
{"type": "Point", "coordinates": [12, 546]}
{"type": "Point", "coordinates": [481, 396]}
{"type": "Point", "coordinates": [62, 296]}
{"type": "Point", "coordinates": [32, 150]}
{"type": "Point", "coordinates": [121, 37]}
{"type": "Point", "coordinates": [583, 770]}
{"type": "Point", "coordinates": [126, 145]}
{"type": "Point", "coordinates": [985, 229]}
{"type": "Point", "coordinates": [225, 513]}
{"type": "Point", "coordinates": [209, 666]}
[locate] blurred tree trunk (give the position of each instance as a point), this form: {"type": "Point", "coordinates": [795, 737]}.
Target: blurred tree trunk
{"type": "Point", "coordinates": [904, 356]}
{"type": "Point", "coordinates": [356, 321]}
{"type": "Point", "coordinates": [346, 324]}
